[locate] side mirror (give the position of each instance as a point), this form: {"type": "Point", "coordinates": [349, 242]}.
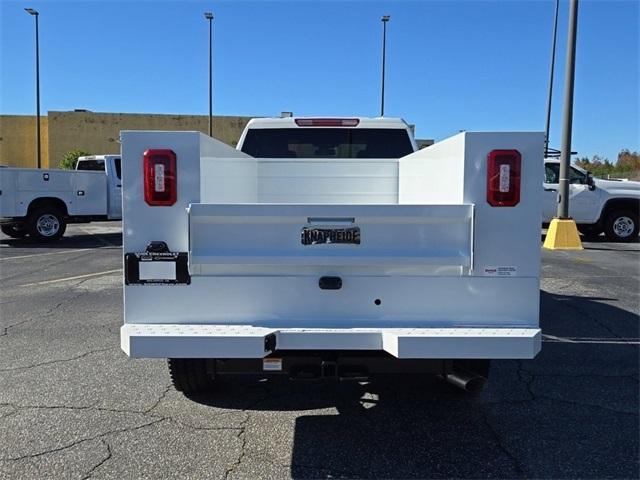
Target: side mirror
{"type": "Point", "coordinates": [590, 181]}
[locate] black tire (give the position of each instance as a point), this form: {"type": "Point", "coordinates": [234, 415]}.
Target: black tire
{"type": "Point", "coordinates": [46, 224]}
{"type": "Point", "coordinates": [590, 231]}
{"type": "Point", "coordinates": [190, 376]}
{"type": "Point", "coordinates": [13, 231]}
{"type": "Point", "coordinates": [622, 226]}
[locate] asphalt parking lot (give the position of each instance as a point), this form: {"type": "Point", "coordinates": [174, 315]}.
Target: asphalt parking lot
{"type": "Point", "coordinates": [72, 405]}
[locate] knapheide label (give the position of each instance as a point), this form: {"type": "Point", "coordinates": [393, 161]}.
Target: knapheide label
{"type": "Point", "coordinates": [504, 271]}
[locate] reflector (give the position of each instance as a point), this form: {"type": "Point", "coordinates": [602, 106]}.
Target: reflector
{"type": "Point", "coordinates": [160, 180]}
{"type": "Point", "coordinates": [503, 178]}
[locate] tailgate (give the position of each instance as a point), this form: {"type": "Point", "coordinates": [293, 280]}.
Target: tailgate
{"type": "Point", "coordinates": [272, 239]}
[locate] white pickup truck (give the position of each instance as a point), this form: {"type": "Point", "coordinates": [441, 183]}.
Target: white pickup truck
{"type": "Point", "coordinates": [329, 247]}
{"type": "Point", "coordinates": [40, 203]}
{"type": "Point", "coordinates": [609, 206]}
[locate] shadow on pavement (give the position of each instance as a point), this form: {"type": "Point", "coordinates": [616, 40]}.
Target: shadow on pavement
{"type": "Point", "coordinates": [82, 240]}
{"type": "Point", "coordinates": [570, 413]}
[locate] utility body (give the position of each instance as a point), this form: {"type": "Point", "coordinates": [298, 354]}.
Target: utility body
{"type": "Point", "coordinates": [40, 203]}
{"type": "Point", "coordinates": [330, 248]}
{"type": "Point", "coordinates": [596, 205]}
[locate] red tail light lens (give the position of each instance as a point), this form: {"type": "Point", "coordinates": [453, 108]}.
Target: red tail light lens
{"type": "Point", "coordinates": [160, 180]}
{"type": "Point", "coordinates": [503, 178]}
{"type": "Point", "coordinates": [327, 122]}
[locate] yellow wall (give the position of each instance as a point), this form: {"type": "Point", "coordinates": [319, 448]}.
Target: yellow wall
{"type": "Point", "coordinates": [96, 133]}
{"type": "Point", "coordinates": [18, 141]}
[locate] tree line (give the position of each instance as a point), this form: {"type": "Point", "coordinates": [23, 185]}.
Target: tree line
{"type": "Point", "coordinates": [627, 165]}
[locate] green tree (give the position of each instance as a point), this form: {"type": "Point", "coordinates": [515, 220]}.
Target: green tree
{"type": "Point", "coordinates": [627, 165]}
{"type": "Point", "coordinates": [70, 159]}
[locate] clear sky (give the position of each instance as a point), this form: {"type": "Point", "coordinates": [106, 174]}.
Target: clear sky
{"type": "Point", "coordinates": [451, 65]}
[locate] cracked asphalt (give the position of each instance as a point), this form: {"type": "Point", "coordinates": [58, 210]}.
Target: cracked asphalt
{"type": "Point", "coordinates": [72, 405]}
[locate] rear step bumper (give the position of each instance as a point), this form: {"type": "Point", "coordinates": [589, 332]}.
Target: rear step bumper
{"type": "Point", "coordinates": [241, 341]}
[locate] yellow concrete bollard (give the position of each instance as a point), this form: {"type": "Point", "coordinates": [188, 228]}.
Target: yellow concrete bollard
{"type": "Point", "coordinates": [562, 235]}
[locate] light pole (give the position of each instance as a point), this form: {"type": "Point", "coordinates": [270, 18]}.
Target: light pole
{"type": "Point", "coordinates": [384, 20]}
{"type": "Point", "coordinates": [209, 16]}
{"type": "Point", "coordinates": [34, 13]}
{"type": "Point", "coordinates": [563, 232]}
{"type": "Point", "coordinates": [567, 120]}
{"type": "Point", "coordinates": [553, 61]}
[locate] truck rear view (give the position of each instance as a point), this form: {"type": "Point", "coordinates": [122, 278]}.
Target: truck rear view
{"type": "Point", "coordinates": [316, 257]}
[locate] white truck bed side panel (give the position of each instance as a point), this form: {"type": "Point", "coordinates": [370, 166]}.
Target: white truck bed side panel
{"type": "Point", "coordinates": [328, 181]}
{"type": "Point", "coordinates": [93, 200]}
{"type": "Point", "coordinates": [229, 180]}
{"type": "Point", "coordinates": [143, 223]}
{"type": "Point", "coordinates": [34, 180]}
{"type": "Point", "coordinates": [433, 175]}
{"type": "Point", "coordinates": [226, 174]}
{"type": "Point", "coordinates": [8, 195]}
{"type": "Point", "coordinates": [83, 192]}
{"type": "Point", "coordinates": [507, 237]}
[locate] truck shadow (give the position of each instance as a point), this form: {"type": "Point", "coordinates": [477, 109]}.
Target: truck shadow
{"type": "Point", "coordinates": [83, 240]}
{"type": "Point", "coordinates": [572, 412]}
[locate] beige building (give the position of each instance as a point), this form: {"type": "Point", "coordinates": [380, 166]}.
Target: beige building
{"type": "Point", "coordinates": [95, 132]}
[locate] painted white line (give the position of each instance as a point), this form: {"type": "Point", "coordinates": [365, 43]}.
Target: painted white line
{"type": "Point", "coordinates": [50, 253]}
{"type": "Point", "coordinates": [604, 341]}
{"type": "Point", "coordinates": [68, 279]}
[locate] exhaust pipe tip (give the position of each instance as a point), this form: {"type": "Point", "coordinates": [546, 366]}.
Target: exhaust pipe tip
{"type": "Point", "coordinates": [467, 381]}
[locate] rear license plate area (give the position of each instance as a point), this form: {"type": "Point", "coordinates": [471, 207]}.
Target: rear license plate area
{"type": "Point", "coordinates": [156, 268]}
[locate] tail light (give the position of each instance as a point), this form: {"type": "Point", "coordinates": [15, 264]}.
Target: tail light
{"type": "Point", "coordinates": [160, 180]}
{"type": "Point", "coordinates": [503, 178]}
{"type": "Point", "coordinates": [327, 122]}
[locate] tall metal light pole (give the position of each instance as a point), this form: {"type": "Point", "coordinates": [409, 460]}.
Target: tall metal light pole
{"type": "Point", "coordinates": [384, 19]}
{"type": "Point", "coordinates": [563, 231]}
{"type": "Point", "coordinates": [553, 61]}
{"type": "Point", "coordinates": [567, 120]}
{"type": "Point", "coordinates": [33, 12]}
{"type": "Point", "coordinates": [209, 16]}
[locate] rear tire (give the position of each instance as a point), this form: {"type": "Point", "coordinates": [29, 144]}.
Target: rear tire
{"type": "Point", "coordinates": [190, 376]}
{"type": "Point", "coordinates": [13, 232]}
{"type": "Point", "coordinates": [46, 224]}
{"type": "Point", "coordinates": [622, 226]}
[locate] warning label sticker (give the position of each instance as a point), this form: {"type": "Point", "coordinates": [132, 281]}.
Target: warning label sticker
{"type": "Point", "coordinates": [501, 271]}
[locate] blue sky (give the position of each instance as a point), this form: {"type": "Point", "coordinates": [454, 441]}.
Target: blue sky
{"type": "Point", "coordinates": [451, 65]}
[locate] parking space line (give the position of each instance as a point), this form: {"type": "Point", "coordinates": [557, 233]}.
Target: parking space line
{"type": "Point", "coordinates": [605, 341]}
{"type": "Point", "coordinates": [77, 277]}
{"type": "Point", "coordinates": [49, 253]}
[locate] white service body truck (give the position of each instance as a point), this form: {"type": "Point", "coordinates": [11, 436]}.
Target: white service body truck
{"type": "Point", "coordinates": [596, 205]}
{"type": "Point", "coordinates": [41, 202]}
{"type": "Point", "coordinates": [330, 248]}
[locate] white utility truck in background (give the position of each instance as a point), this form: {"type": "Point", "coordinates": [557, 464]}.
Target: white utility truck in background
{"type": "Point", "coordinates": [328, 247]}
{"type": "Point", "coordinates": [40, 203]}
{"type": "Point", "coordinates": [596, 205]}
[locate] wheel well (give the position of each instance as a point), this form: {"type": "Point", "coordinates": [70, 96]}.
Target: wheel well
{"type": "Point", "coordinates": [48, 202]}
{"type": "Point", "coordinates": [632, 204]}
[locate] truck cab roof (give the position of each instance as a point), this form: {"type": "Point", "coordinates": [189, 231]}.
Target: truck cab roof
{"type": "Point", "coordinates": [334, 137]}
